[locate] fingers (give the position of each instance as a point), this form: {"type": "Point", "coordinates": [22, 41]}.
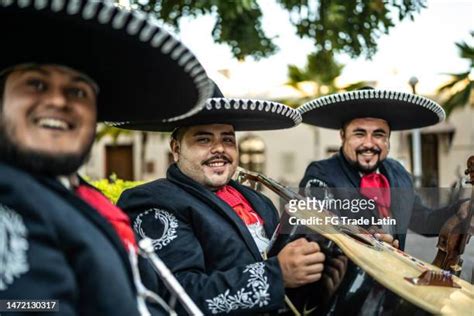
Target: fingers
{"type": "Point", "coordinates": [310, 278]}
{"type": "Point", "coordinates": [396, 244]}
{"type": "Point", "coordinates": [305, 247]}
{"type": "Point", "coordinates": [314, 258]}
{"type": "Point", "coordinates": [384, 237]}
{"type": "Point", "coordinates": [301, 263]}
{"type": "Point", "coordinates": [314, 269]}
{"type": "Point", "coordinates": [379, 234]}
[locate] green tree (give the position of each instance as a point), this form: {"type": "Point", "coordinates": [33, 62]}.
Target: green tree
{"type": "Point", "coordinates": [319, 73]}
{"type": "Point", "coordinates": [459, 88]}
{"type": "Point", "coordinates": [348, 26]}
{"type": "Point", "coordinates": [321, 70]}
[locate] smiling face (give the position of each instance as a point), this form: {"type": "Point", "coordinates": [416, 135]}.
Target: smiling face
{"type": "Point", "coordinates": [207, 154]}
{"type": "Point", "coordinates": [48, 112]}
{"type": "Point", "coordinates": [366, 143]}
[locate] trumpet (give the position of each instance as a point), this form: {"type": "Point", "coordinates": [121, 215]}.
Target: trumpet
{"type": "Point", "coordinates": [177, 291]}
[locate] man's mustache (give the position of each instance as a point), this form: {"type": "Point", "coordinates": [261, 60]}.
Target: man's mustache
{"type": "Point", "coordinates": [217, 157]}
{"type": "Point", "coordinates": [374, 150]}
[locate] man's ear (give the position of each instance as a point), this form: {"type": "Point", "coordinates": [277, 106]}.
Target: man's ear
{"type": "Point", "coordinates": [341, 134]}
{"type": "Point", "coordinates": [175, 149]}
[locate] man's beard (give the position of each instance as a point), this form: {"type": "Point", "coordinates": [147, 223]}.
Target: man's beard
{"type": "Point", "coordinates": [38, 162]}
{"type": "Point", "coordinates": [365, 168]}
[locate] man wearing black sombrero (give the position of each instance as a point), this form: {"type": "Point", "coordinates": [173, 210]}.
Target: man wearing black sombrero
{"type": "Point", "coordinates": [64, 66]}
{"type": "Point", "coordinates": [361, 170]}
{"type": "Point", "coordinates": [211, 231]}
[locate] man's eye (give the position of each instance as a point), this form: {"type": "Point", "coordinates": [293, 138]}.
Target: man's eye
{"type": "Point", "coordinates": [203, 140]}
{"type": "Point", "coordinates": [37, 84]}
{"type": "Point", "coordinates": [229, 140]}
{"type": "Point", "coordinates": [77, 93]}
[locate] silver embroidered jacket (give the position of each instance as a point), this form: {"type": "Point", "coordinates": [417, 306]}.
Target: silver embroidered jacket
{"type": "Point", "coordinates": [54, 246]}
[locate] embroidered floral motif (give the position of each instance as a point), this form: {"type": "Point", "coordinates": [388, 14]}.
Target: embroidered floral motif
{"type": "Point", "coordinates": [13, 246]}
{"type": "Point", "coordinates": [254, 294]}
{"type": "Point", "coordinates": [168, 221]}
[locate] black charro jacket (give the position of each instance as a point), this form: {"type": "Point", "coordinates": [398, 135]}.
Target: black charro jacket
{"type": "Point", "coordinates": [206, 245]}
{"type": "Point", "coordinates": [54, 246]}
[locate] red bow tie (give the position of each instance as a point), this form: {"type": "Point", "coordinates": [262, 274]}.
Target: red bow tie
{"type": "Point", "coordinates": [375, 186]}
{"type": "Point", "coordinates": [112, 213]}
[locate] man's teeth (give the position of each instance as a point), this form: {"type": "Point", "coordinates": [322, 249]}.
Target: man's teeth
{"type": "Point", "coordinates": [216, 164]}
{"type": "Point", "coordinates": [53, 123]}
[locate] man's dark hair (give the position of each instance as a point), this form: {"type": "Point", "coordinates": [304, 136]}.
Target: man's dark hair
{"type": "Point", "coordinates": [178, 133]}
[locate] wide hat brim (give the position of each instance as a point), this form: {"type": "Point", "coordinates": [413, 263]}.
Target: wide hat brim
{"type": "Point", "coordinates": [141, 70]}
{"type": "Point", "coordinates": [242, 114]}
{"type": "Point", "coordinates": [401, 110]}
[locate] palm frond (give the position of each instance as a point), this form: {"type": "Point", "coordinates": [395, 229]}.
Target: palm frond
{"type": "Point", "coordinates": [454, 81]}
{"type": "Point", "coordinates": [458, 99]}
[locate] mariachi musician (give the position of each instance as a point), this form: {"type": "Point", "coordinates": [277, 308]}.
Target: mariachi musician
{"type": "Point", "coordinates": [210, 230]}
{"type": "Point", "coordinates": [361, 171]}
{"type": "Point", "coordinates": [64, 66]}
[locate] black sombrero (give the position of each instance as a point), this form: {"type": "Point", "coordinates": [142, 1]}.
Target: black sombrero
{"type": "Point", "coordinates": [142, 71]}
{"type": "Point", "coordinates": [401, 110]}
{"type": "Point", "coordinates": [242, 114]}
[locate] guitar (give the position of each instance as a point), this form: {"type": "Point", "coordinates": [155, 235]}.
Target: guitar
{"type": "Point", "coordinates": [422, 284]}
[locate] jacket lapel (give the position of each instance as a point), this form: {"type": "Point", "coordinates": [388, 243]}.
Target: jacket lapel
{"type": "Point", "coordinates": [350, 172]}
{"type": "Point", "coordinates": [212, 200]}
{"type": "Point", "coordinates": [397, 211]}
{"type": "Point", "coordinates": [90, 213]}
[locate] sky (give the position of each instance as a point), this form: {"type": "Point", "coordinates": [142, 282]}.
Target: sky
{"type": "Point", "coordinates": [424, 48]}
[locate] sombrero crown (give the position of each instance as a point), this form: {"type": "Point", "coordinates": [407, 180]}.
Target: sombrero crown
{"type": "Point", "coordinates": [242, 114]}
{"type": "Point", "coordinates": [142, 71]}
{"type": "Point", "coordinates": [400, 109]}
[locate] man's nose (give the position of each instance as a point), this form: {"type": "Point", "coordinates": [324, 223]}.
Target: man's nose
{"type": "Point", "coordinates": [56, 97]}
{"type": "Point", "coordinates": [217, 147]}
{"type": "Point", "coordinates": [369, 141]}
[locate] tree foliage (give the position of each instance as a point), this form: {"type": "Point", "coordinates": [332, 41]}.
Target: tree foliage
{"type": "Point", "coordinates": [459, 88]}
{"type": "Point", "coordinates": [349, 26]}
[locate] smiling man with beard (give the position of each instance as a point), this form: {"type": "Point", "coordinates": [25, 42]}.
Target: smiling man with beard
{"type": "Point", "coordinates": [361, 170]}
{"type": "Point", "coordinates": [63, 246]}
{"type": "Point", "coordinates": [212, 231]}
{"type": "Point", "coordinates": [47, 136]}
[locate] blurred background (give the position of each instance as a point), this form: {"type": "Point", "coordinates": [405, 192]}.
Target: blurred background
{"type": "Point", "coordinates": [293, 51]}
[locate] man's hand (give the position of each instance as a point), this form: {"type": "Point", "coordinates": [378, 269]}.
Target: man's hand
{"type": "Point", "coordinates": [383, 236]}
{"type": "Point", "coordinates": [301, 263]}
{"type": "Point", "coordinates": [463, 212]}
